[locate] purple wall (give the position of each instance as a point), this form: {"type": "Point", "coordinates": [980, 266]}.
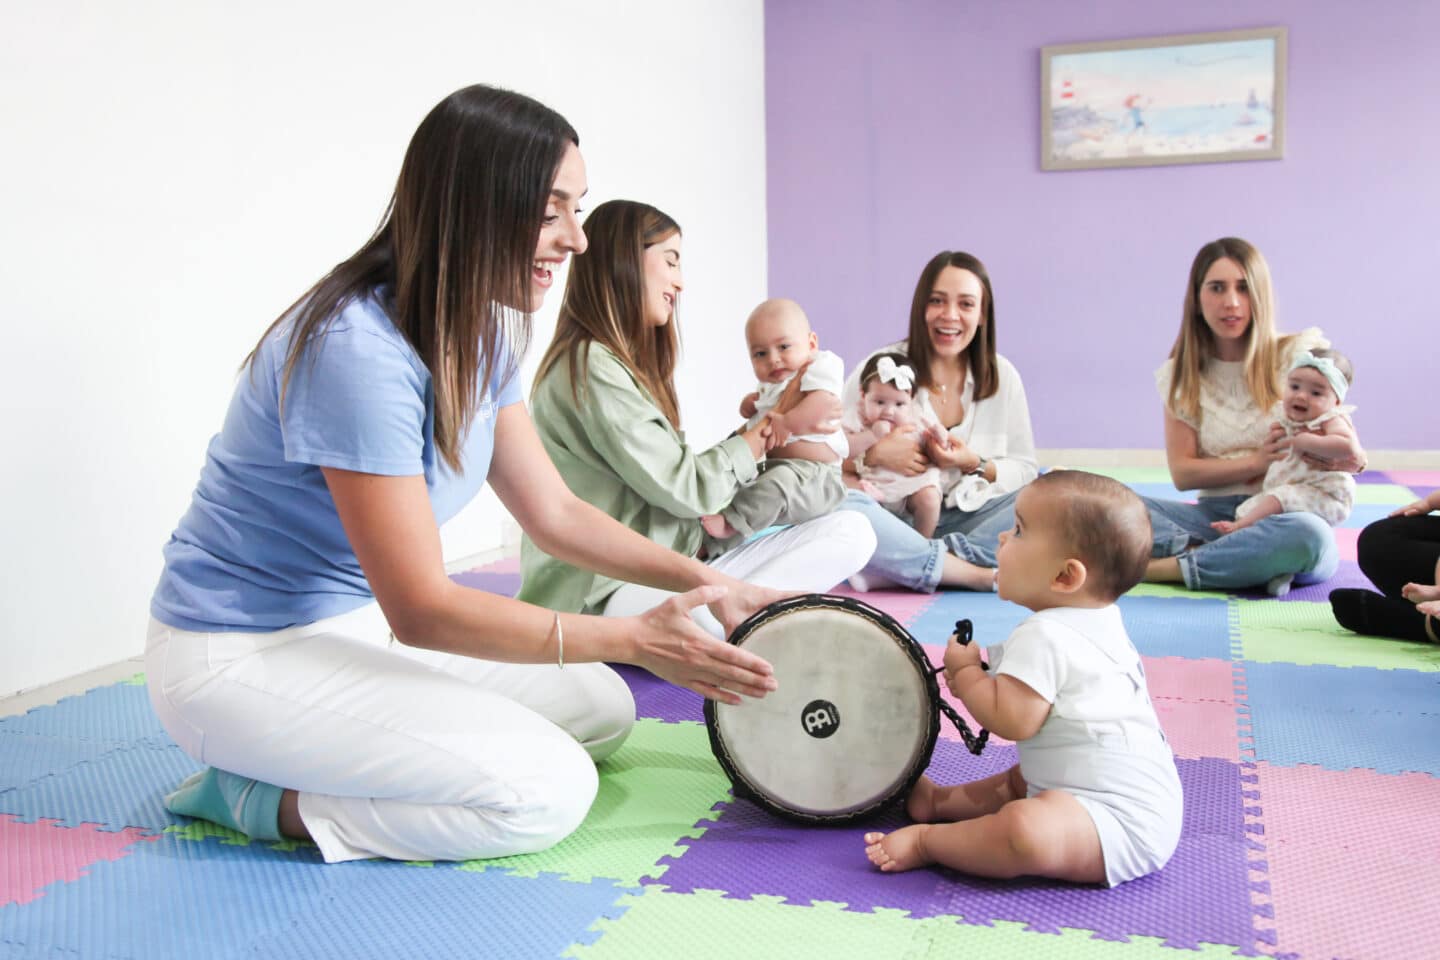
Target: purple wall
{"type": "Point", "coordinates": [898, 130]}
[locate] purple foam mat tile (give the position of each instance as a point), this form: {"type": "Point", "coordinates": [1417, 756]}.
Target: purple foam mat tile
{"type": "Point", "coordinates": [504, 584]}
{"type": "Point", "coordinates": [1203, 895]}
{"type": "Point", "coordinates": [1373, 476]}
{"type": "Point", "coordinates": [1348, 575]}
{"type": "Point", "coordinates": [658, 700]}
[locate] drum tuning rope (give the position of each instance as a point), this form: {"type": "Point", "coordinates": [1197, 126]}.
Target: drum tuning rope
{"type": "Point", "coordinates": [964, 633]}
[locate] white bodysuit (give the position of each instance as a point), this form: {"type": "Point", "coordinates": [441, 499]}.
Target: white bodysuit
{"type": "Point", "coordinates": [1301, 488]}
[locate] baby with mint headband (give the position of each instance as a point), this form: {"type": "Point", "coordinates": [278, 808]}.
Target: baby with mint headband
{"type": "Point", "coordinates": [1314, 417]}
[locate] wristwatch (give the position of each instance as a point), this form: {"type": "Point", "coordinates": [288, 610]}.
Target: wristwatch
{"type": "Point", "coordinates": [979, 468]}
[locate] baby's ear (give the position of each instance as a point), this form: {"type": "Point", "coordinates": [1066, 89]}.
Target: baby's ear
{"type": "Point", "coordinates": [814, 340]}
{"type": "Point", "coordinates": [1071, 578]}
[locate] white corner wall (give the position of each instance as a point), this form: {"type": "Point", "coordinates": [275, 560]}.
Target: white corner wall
{"type": "Point", "coordinates": [174, 174]}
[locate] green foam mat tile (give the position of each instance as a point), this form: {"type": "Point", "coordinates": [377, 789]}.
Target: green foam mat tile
{"type": "Point", "coordinates": [1391, 494]}
{"type": "Point", "coordinates": [705, 924]}
{"type": "Point", "coordinates": [671, 766]}
{"type": "Point", "coordinates": [1176, 591]}
{"type": "Point", "coordinates": [1306, 633]}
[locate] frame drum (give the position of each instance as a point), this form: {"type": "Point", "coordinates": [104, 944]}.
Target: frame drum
{"type": "Point", "coordinates": [853, 723]}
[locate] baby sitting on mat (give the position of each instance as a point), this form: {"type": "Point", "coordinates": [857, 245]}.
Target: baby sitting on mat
{"type": "Point", "coordinates": [800, 478]}
{"type": "Point", "coordinates": [1095, 797]}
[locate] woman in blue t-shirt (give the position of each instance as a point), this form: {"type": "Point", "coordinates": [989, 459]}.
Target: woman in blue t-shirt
{"type": "Point", "coordinates": [442, 722]}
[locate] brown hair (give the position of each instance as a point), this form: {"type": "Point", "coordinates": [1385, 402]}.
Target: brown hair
{"type": "Point", "coordinates": [605, 303]}
{"type": "Point", "coordinates": [1104, 524]}
{"type": "Point", "coordinates": [1195, 344]}
{"type": "Point", "coordinates": [454, 248]}
{"type": "Point", "coordinates": [980, 354]}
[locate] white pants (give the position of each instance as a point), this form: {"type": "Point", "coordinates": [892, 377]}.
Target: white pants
{"type": "Point", "coordinates": [396, 752]}
{"type": "Point", "coordinates": [811, 557]}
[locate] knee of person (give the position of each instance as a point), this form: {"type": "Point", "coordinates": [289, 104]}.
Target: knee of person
{"type": "Point", "coordinates": [1030, 840]}
{"type": "Point", "coordinates": [854, 531]}
{"type": "Point", "coordinates": [550, 810]}
{"type": "Point", "coordinates": [613, 718]}
{"type": "Point", "coordinates": [1310, 534]}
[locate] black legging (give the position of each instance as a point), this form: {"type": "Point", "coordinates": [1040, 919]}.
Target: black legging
{"type": "Point", "coordinates": [1392, 552]}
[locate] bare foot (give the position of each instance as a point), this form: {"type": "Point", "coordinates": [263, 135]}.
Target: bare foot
{"type": "Point", "coordinates": [1420, 592]}
{"type": "Point", "coordinates": [717, 526]}
{"type": "Point", "coordinates": [1224, 526]}
{"type": "Point", "coordinates": [901, 850]}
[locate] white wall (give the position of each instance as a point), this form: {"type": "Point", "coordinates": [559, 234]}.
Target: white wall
{"type": "Point", "coordinates": [175, 173]}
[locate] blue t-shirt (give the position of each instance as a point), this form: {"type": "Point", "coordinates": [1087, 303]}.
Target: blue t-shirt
{"type": "Point", "coordinates": [261, 547]}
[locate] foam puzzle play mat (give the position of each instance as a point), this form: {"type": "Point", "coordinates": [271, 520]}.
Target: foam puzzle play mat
{"type": "Point", "coordinates": [1309, 758]}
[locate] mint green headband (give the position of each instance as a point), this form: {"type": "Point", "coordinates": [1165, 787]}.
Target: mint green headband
{"type": "Point", "coordinates": [1327, 369]}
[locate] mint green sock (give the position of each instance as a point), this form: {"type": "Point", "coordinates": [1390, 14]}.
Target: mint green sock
{"type": "Point", "coordinates": [233, 801]}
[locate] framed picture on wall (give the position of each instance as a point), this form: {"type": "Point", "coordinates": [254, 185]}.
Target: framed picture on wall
{"type": "Point", "coordinates": [1193, 98]}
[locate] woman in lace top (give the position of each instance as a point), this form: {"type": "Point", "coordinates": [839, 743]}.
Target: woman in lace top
{"type": "Point", "coordinates": [1218, 387]}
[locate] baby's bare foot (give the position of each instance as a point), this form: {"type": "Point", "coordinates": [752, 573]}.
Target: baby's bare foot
{"type": "Point", "coordinates": [901, 850]}
{"type": "Point", "coordinates": [717, 526]}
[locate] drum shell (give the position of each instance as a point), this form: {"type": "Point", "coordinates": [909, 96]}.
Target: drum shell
{"type": "Point", "coordinates": [840, 663]}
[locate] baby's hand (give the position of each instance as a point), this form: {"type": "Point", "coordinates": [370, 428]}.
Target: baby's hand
{"type": "Point", "coordinates": [747, 405]}
{"type": "Point", "coordinates": [881, 427]}
{"type": "Point", "coordinates": [1431, 608]}
{"type": "Point", "coordinates": [958, 658]}
{"type": "Point", "coordinates": [1225, 526]}
{"type": "Point", "coordinates": [938, 436]}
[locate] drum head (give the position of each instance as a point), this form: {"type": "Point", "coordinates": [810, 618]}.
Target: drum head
{"type": "Point", "coordinates": [854, 720]}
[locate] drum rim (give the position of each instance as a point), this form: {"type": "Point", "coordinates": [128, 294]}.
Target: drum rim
{"type": "Point", "coordinates": [742, 788]}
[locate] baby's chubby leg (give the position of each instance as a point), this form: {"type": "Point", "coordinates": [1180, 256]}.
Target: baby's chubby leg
{"type": "Point", "coordinates": [1049, 835]}
{"type": "Point", "coordinates": [930, 803]}
{"type": "Point", "coordinates": [925, 509]}
{"type": "Point", "coordinates": [1259, 508]}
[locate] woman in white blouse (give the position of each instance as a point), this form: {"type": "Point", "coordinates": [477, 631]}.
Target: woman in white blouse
{"type": "Point", "coordinates": [976, 394]}
{"type": "Point", "coordinates": [1218, 388]}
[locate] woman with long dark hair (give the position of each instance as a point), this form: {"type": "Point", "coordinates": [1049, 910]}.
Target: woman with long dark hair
{"type": "Point", "coordinates": [606, 409]}
{"type": "Point", "coordinates": [305, 641]}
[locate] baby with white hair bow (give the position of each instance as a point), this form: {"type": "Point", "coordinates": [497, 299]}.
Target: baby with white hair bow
{"type": "Point", "coordinates": [887, 402]}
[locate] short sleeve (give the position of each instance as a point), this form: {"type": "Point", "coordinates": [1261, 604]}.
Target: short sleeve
{"type": "Point", "coordinates": [1164, 375]}
{"type": "Point", "coordinates": [356, 402]}
{"type": "Point", "coordinates": [1032, 655]}
{"type": "Point", "coordinates": [826, 372]}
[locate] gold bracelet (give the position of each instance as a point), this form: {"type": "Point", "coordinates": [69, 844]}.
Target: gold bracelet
{"type": "Point", "coordinates": [559, 643]}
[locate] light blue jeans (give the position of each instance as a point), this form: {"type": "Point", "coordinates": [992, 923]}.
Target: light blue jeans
{"type": "Point", "coordinates": [1298, 544]}
{"type": "Point", "coordinates": [905, 557]}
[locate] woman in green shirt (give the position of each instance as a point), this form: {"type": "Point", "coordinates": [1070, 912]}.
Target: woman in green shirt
{"type": "Point", "coordinates": [605, 406]}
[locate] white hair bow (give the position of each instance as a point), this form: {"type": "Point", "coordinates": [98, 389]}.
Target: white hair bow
{"type": "Point", "coordinates": [899, 374]}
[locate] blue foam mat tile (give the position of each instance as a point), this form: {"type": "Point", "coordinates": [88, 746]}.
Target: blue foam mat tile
{"type": "Point", "coordinates": [993, 618]}
{"type": "Point", "coordinates": [1288, 735]}
{"type": "Point", "coordinates": [26, 757]}
{"type": "Point", "coordinates": [1178, 626]}
{"type": "Point", "coordinates": [115, 714]}
{"type": "Point", "coordinates": [123, 788]}
{"type": "Point", "coordinates": [174, 898]}
{"type": "Point", "coordinates": [1364, 514]}
{"type": "Point", "coordinates": [1322, 687]}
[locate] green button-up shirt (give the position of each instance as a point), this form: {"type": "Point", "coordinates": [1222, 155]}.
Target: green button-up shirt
{"type": "Point", "coordinates": [617, 451]}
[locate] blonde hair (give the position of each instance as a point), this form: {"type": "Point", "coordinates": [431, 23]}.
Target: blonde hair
{"type": "Point", "coordinates": [1265, 350]}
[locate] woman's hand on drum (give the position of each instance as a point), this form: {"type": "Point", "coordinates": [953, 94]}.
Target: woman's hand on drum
{"type": "Point", "coordinates": [675, 648]}
{"type": "Point", "coordinates": [899, 450]}
{"type": "Point", "coordinates": [742, 600]}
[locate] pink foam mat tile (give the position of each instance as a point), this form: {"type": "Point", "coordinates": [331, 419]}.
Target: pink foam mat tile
{"type": "Point", "coordinates": [1326, 903]}
{"type": "Point", "coordinates": [1415, 478]}
{"type": "Point", "coordinates": [42, 853]}
{"type": "Point", "coordinates": [904, 605]}
{"type": "Point", "coordinates": [1346, 539]}
{"type": "Point", "coordinates": [1197, 730]}
{"type": "Point", "coordinates": [1367, 813]}
{"type": "Point", "coordinates": [1180, 678]}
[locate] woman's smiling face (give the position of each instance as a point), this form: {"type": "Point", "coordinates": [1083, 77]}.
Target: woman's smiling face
{"type": "Point", "coordinates": [953, 312]}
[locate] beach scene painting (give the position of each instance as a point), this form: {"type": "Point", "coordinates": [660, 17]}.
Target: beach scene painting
{"type": "Point", "coordinates": [1197, 98]}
